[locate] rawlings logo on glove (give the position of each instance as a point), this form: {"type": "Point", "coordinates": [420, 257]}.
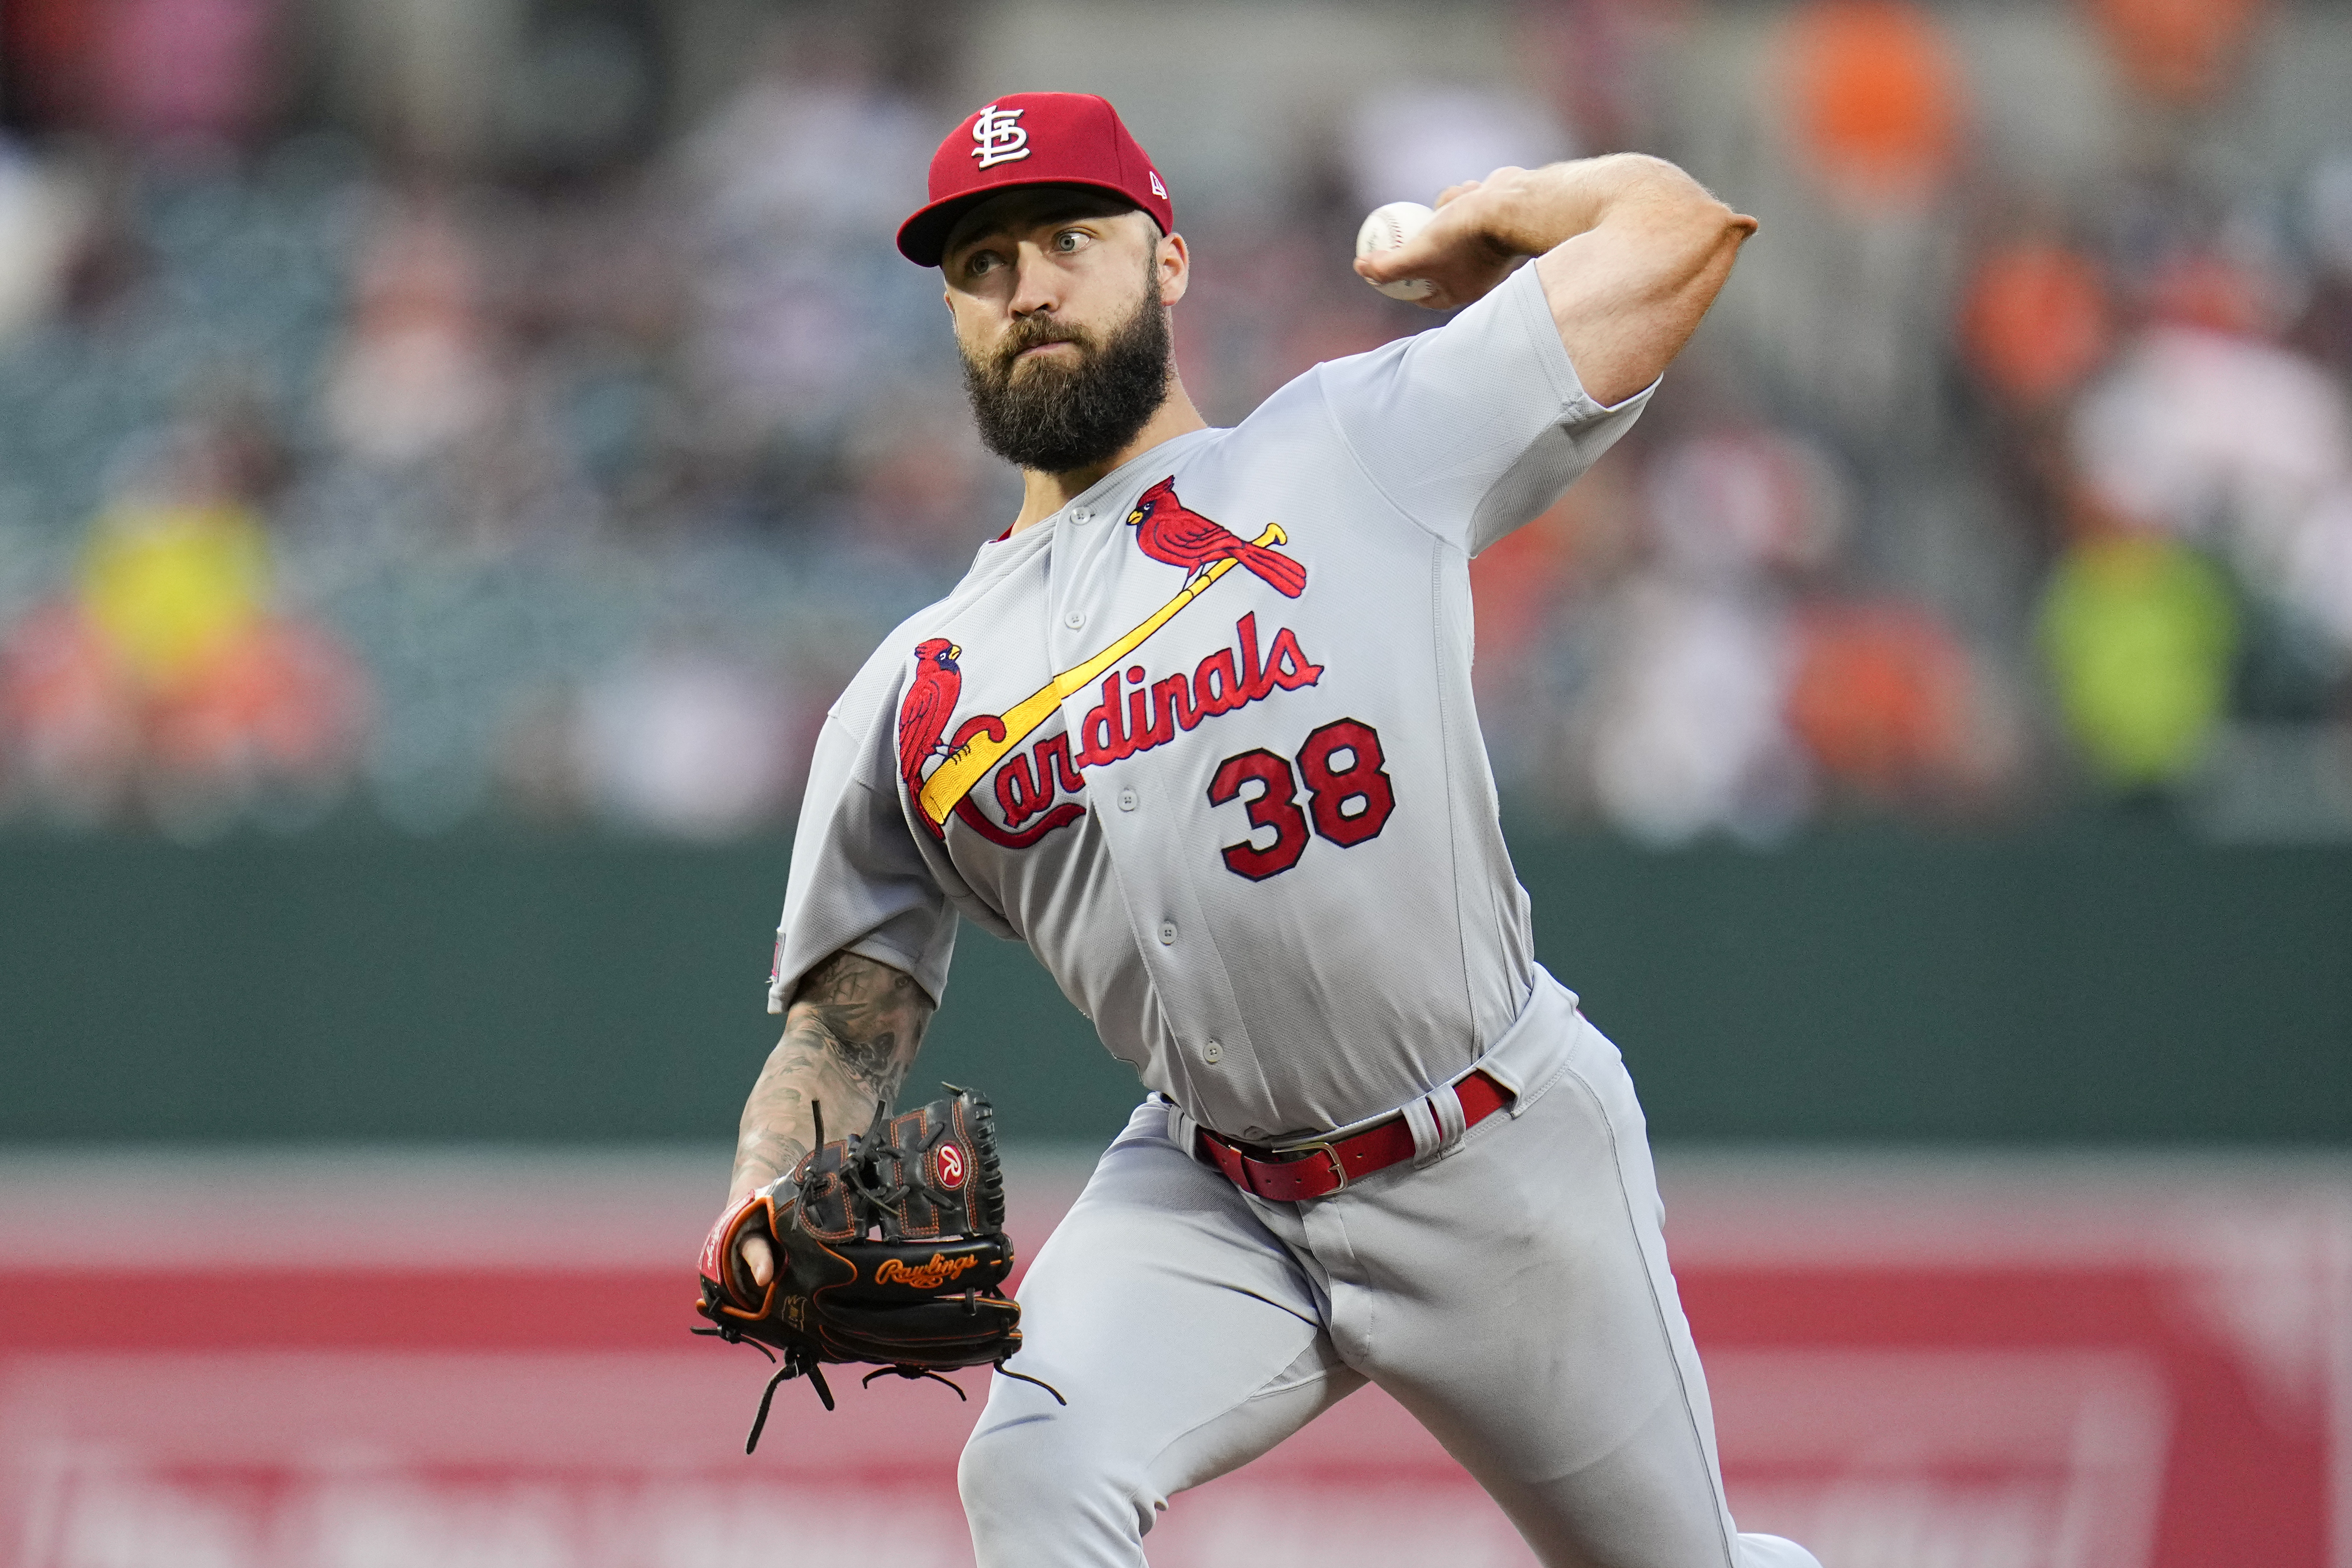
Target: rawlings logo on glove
{"type": "Point", "coordinates": [889, 1249]}
{"type": "Point", "coordinates": [928, 1276]}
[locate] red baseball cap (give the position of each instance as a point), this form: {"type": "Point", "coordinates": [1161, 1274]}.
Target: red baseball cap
{"type": "Point", "coordinates": [1033, 139]}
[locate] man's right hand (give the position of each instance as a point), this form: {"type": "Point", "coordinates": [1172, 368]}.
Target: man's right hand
{"type": "Point", "coordinates": [752, 1254]}
{"type": "Point", "coordinates": [759, 1259]}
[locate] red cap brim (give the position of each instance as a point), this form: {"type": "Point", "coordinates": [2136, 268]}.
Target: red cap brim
{"type": "Point", "coordinates": [923, 238]}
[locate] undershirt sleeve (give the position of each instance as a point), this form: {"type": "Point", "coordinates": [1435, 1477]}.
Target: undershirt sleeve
{"type": "Point", "coordinates": [859, 882]}
{"type": "Point", "coordinates": [1475, 427]}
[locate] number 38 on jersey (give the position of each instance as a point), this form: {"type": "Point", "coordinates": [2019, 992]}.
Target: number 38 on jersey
{"type": "Point", "coordinates": [1349, 797]}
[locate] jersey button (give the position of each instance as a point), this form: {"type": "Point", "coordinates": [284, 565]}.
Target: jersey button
{"type": "Point", "coordinates": [1168, 933]}
{"type": "Point", "coordinates": [1127, 799]}
{"type": "Point", "coordinates": [1080, 515]}
{"type": "Point", "coordinates": [1075, 619]}
{"type": "Point", "coordinates": [1212, 1054]}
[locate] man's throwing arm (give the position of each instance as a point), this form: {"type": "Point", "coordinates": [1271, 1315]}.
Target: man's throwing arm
{"type": "Point", "coordinates": [1631, 252]}
{"type": "Point", "coordinates": [850, 1035]}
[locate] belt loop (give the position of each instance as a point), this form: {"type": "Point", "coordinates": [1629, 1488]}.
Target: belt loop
{"type": "Point", "coordinates": [1183, 1129]}
{"type": "Point", "coordinates": [1428, 1140]}
{"type": "Point", "coordinates": [1438, 1121]}
{"type": "Point", "coordinates": [1451, 1120]}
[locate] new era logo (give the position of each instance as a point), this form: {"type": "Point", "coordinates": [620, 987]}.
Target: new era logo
{"type": "Point", "coordinates": [998, 136]}
{"type": "Point", "coordinates": [1157, 189]}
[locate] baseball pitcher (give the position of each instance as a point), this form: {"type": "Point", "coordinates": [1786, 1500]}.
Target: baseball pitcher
{"type": "Point", "coordinates": [1197, 726]}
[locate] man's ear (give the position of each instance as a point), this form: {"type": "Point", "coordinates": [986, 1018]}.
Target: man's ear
{"type": "Point", "coordinates": [1173, 262]}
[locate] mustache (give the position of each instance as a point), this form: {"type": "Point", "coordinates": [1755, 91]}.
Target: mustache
{"type": "Point", "coordinates": [1035, 331]}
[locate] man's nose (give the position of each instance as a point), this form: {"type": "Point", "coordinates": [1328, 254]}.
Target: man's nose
{"type": "Point", "coordinates": [1036, 284]}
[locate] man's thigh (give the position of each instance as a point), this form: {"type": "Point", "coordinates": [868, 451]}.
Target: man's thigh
{"type": "Point", "coordinates": [1186, 1339]}
{"type": "Point", "coordinates": [1515, 1297]}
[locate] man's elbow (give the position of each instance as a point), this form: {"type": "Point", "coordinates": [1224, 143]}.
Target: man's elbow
{"type": "Point", "coordinates": [1672, 185]}
{"type": "Point", "coordinates": [1712, 232]}
{"type": "Point", "coordinates": [1713, 222]}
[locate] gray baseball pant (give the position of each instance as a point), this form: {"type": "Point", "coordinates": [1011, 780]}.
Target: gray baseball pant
{"type": "Point", "coordinates": [1512, 1293]}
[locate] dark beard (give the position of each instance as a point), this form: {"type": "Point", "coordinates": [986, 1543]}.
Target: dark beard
{"type": "Point", "coordinates": [1054, 418]}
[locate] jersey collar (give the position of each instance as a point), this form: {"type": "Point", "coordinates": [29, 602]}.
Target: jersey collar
{"type": "Point", "coordinates": [1167, 451]}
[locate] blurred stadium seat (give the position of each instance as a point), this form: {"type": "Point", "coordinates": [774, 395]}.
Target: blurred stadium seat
{"type": "Point", "coordinates": [532, 381]}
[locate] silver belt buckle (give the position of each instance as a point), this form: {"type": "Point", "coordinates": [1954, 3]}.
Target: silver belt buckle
{"type": "Point", "coordinates": [1338, 1168]}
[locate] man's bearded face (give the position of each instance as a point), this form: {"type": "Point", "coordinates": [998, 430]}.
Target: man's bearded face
{"type": "Point", "coordinates": [1058, 412]}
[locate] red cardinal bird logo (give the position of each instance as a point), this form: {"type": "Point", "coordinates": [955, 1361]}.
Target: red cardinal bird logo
{"type": "Point", "coordinates": [1166, 529]}
{"type": "Point", "coordinates": [930, 702]}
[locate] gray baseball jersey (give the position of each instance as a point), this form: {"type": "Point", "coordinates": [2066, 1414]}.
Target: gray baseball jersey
{"type": "Point", "coordinates": [1204, 739]}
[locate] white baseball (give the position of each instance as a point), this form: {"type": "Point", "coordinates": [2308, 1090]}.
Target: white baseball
{"type": "Point", "coordinates": [1387, 228]}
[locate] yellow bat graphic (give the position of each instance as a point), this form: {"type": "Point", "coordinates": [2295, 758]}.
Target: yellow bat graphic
{"type": "Point", "coordinates": [968, 764]}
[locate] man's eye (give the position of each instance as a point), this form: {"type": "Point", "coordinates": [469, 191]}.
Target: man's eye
{"type": "Point", "coordinates": [1068, 239]}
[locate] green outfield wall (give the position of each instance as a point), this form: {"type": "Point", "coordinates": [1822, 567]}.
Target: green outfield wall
{"type": "Point", "coordinates": [2110, 987]}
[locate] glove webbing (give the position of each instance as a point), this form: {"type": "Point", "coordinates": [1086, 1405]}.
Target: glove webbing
{"type": "Point", "coordinates": [792, 1366]}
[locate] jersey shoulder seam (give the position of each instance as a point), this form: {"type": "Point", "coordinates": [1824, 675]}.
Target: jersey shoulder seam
{"type": "Point", "coordinates": [1339, 429]}
{"type": "Point", "coordinates": [1534, 317]}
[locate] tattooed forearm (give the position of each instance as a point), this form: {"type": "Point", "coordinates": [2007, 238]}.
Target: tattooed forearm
{"type": "Point", "coordinates": [871, 1016]}
{"type": "Point", "coordinates": [850, 1035]}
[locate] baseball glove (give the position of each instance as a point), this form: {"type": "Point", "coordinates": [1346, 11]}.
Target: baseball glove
{"type": "Point", "coordinates": [889, 1249]}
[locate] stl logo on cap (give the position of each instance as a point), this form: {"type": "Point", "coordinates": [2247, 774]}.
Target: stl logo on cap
{"type": "Point", "coordinates": [1032, 138]}
{"type": "Point", "coordinates": [998, 136]}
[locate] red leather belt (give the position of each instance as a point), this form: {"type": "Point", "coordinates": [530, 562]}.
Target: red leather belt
{"type": "Point", "coordinates": [1315, 1170]}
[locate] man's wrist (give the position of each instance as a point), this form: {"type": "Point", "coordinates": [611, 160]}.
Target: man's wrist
{"type": "Point", "coordinates": [1529, 209]}
{"type": "Point", "coordinates": [1542, 208]}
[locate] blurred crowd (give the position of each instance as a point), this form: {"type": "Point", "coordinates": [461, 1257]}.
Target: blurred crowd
{"type": "Point", "coordinates": [562, 477]}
